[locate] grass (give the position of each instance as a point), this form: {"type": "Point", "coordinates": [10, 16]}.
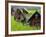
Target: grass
{"type": "Point", "coordinates": [18, 26]}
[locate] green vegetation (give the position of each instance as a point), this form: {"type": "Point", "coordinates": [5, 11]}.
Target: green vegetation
{"type": "Point", "coordinates": [16, 26]}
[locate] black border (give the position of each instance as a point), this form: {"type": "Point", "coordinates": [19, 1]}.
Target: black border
{"type": "Point", "coordinates": [6, 18]}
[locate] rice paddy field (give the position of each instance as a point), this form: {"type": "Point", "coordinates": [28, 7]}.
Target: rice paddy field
{"type": "Point", "coordinates": [18, 26]}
